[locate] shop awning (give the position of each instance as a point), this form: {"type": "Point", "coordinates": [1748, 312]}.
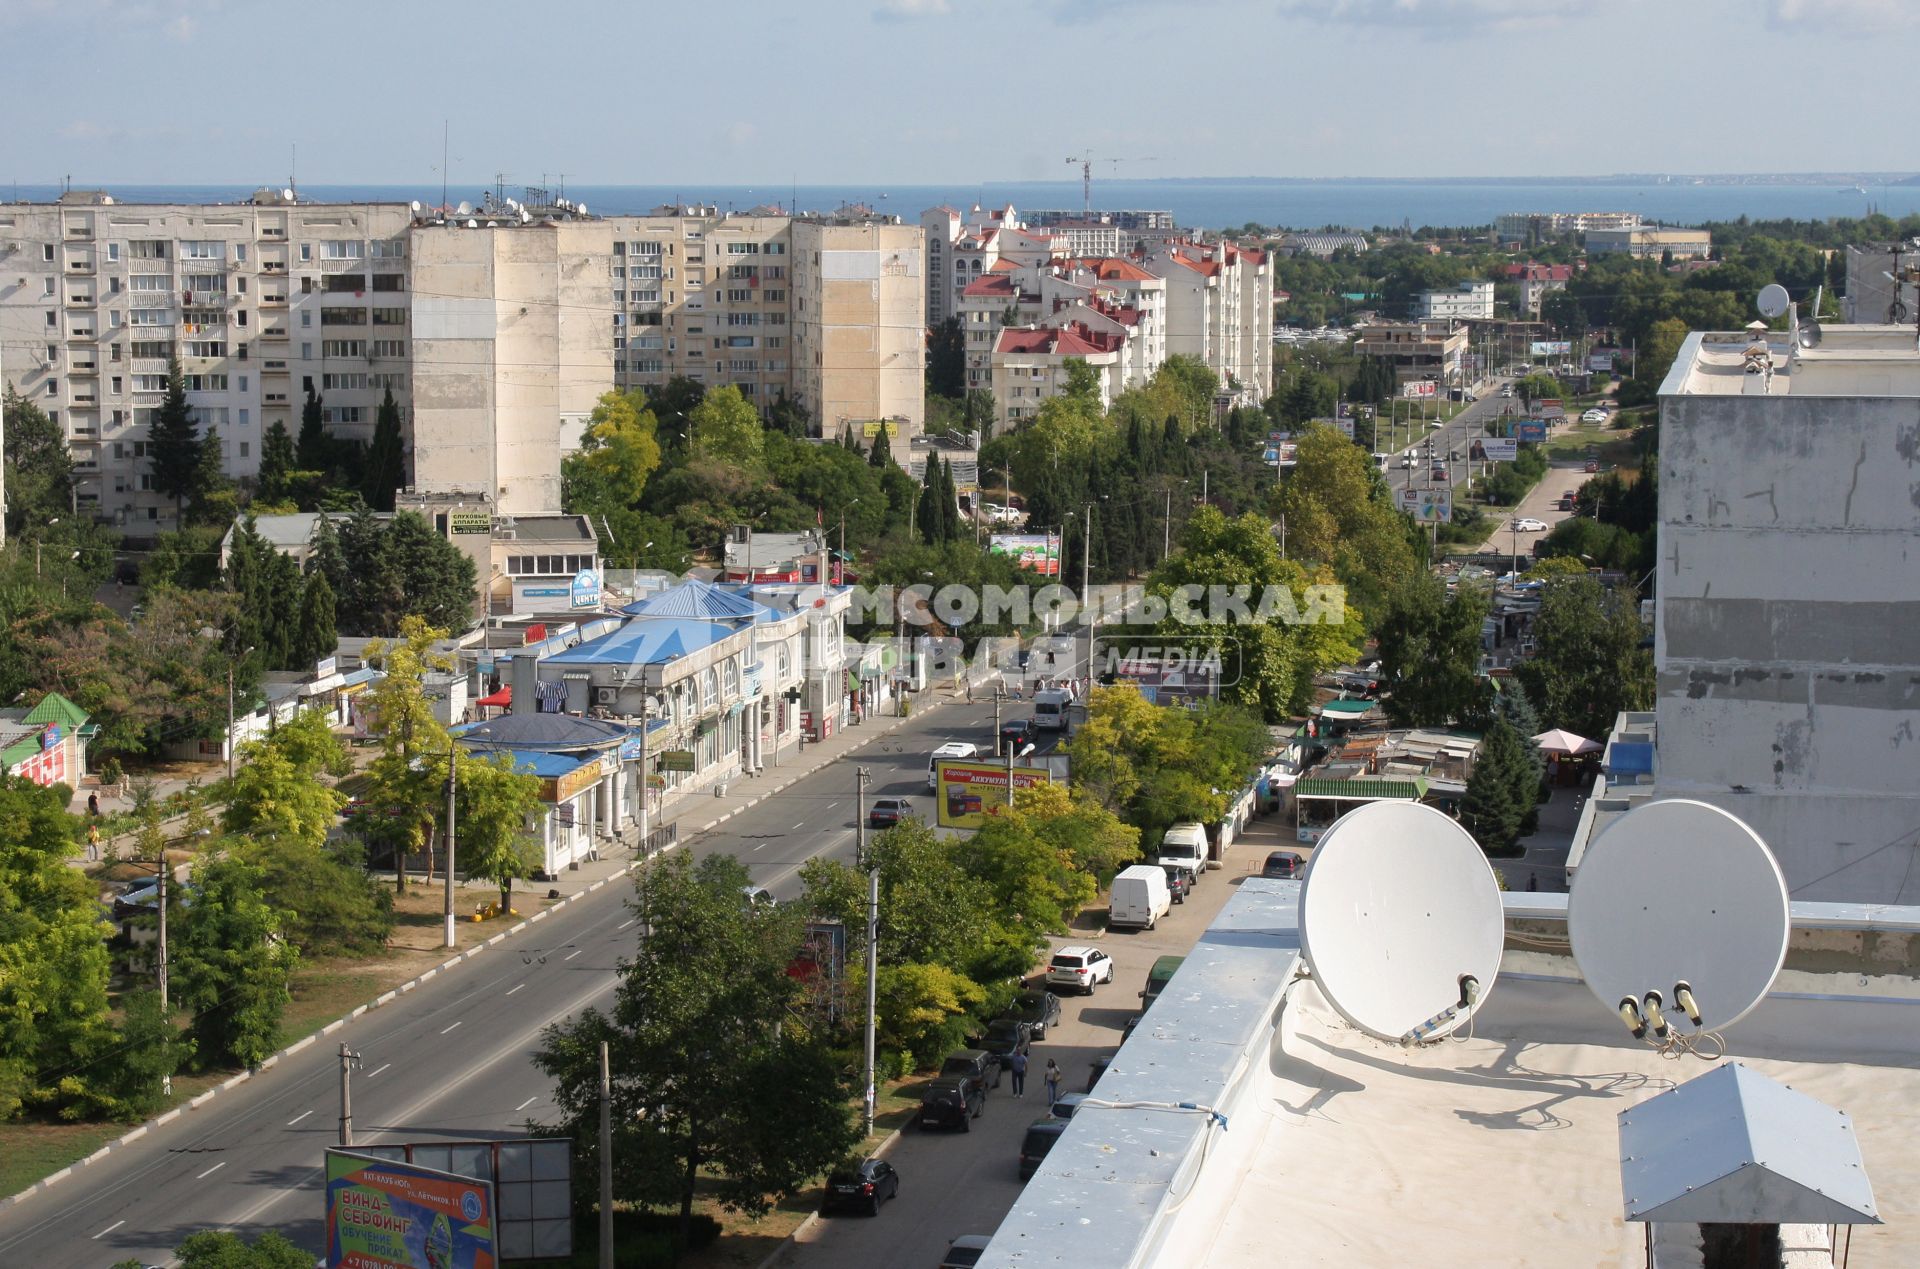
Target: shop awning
{"type": "Point", "coordinates": [502, 699]}
{"type": "Point", "coordinates": [1365, 790]}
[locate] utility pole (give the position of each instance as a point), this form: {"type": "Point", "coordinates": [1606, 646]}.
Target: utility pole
{"type": "Point", "coordinates": [1086, 590]}
{"type": "Point", "coordinates": [606, 1160]}
{"type": "Point", "coordinates": [1009, 775]}
{"type": "Point", "coordinates": [1166, 527]}
{"type": "Point", "coordinates": [453, 780]}
{"type": "Point", "coordinates": [166, 1081]}
{"type": "Point", "coordinates": [348, 1061]}
{"type": "Point", "coordinates": [230, 744]}
{"type": "Point", "coordinates": [999, 690]}
{"type": "Point", "coordinates": [861, 777]}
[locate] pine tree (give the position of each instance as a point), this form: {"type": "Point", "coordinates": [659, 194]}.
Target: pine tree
{"type": "Point", "coordinates": [1511, 703]}
{"type": "Point", "coordinates": [881, 454]}
{"type": "Point", "coordinates": [276, 462]}
{"type": "Point", "coordinates": [173, 442]}
{"type": "Point", "coordinates": [1490, 810]}
{"type": "Point", "coordinates": [386, 468]}
{"type": "Point", "coordinates": [315, 450]}
{"type": "Point", "coordinates": [314, 634]}
{"type": "Point", "coordinates": [209, 478]}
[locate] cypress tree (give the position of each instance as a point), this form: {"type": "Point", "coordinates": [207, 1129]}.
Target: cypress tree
{"type": "Point", "coordinates": [276, 461]}
{"type": "Point", "coordinates": [882, 452]}
{"type": "Point", "coordinates": [314, 634]}
{"type": "Point", "coordinates": [173, 442]}
{"type": "Point", "coordinates": [1490, 810]}
{"type": "Point", "coordinates": [386, 467]}
{"type": "Point", "coordinates": [315, 449]}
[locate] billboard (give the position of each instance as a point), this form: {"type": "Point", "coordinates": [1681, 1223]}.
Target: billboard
{"type": "Point", "coordinates": [874, 427]}
{"type": "Point", "coordinates": [1534, 430]}
{"type": "Point", "coordinates": [1494, 449]}
{"type": "Point", "coordinates": [1550, 408]}
{"type": "Point", "coordinates": [1601, 362]}
{"type": "Point", "coordinates": [968, 792]}
{"type": "Point", "coordinates": [585, 590]}
{"type": "Point", "coordinates": [1343, 421]}
{"type": "Point", "coordinates": [1281, 455]}
{"type": "Point", "coordinates": [1037, 551]}
{"type": "Point", "coordinates": [1428, 506]}
{"type": "Point", "coordinates": [1552, 348]}
{"type": "Point", "coordinates": [388, 1215]}
{"type": "Point", "coordinates": [1420, 390]}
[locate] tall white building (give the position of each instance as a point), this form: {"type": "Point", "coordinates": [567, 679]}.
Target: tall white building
{"type": "Point", "coordinates": [259, 301]}
{"type": "Point", "coordinates": [1469, 301]}
{"type": "Point", "coordinates": [1220, 311]}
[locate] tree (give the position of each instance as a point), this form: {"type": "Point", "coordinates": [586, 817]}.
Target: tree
{"type": "Point", "coordinates": [1511, 703]}
{"type": "Point", "coordinates": [881, 455]}
{"type": "Point", "coordinates": [173, 442]}
{"type": "Point", "coordinates": [1429, 644]}
{"type": "Point", "coordinates": [947, 360]}
{"type": "Point", "coordinates": [399, 569]}
{"type": "Point", "coordinates": [148, 1050]}
{"type": "Point", "coordinates": [386, 458]}
{"type": "Point", "coordinates": [39, 467]}
{"type": "Point", "coordinates": [213, 495]}
{"type": "Point", "coordinates": [494, 804]}
{"type": "Point", "coordinates": [404, 796]}
{"type": "Point", "coordinates": [1590, 665]}
{"type": "Point", "coordinates": [791, 417]}
{"type": "Point", "coordinates": [1154, 766]}
{"type": "Point", "coordinates": [277, 462]}
{"type": "Point", "coordinates": [220, 1249]}
{"type": "Point", "coordinates": [314, 451]}
{"type": "Point", "coordinates": [727, 428]}
{"type": "Point", "coordinates": [1492, 809]}
{"type": "Point", "coordinates": [314, 633]}
{"type": "Point", "coordinates": [705, 1076]}
{"type": "Point", "coordinates": [276, 790]}
{"type": "Point", "coordinates": [1338, 512]}
{"type": "Point", "coordinates": [619, 450]}
{"type": "Point", "coordinates": [232, 964]}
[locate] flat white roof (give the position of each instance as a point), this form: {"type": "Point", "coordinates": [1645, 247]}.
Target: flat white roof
{"type": "Point", "coordinates": [1848, 360]}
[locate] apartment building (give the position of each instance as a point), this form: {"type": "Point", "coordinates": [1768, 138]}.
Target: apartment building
{"type": "Point", "coordinates": [1645, 241]}
{"type": "Point", "coordinates": [1030, 366]}
{"type": "Point", "coordinates": [1540, 226]}
{"type": "Point", "coordinates": [259, 301]}
{"type": "Point", "coordinates": [860, 320]}
{"type": "Point", "coordinates": [1220, 311]}
{"type": "Point", "coordinates": [1419, 350]}
{"type": "Point", "coordinates": [1535, 280]}
{"type": "Point", "coordinates": [1469, 301]}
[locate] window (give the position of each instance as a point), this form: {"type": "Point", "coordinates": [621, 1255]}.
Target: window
{"type": "Point", "coordinates": [206, 383]}
{"type": "Point", "coordinates": [113, 253]}
{"type": "Point", "coordinates": [117, 385]}
{"type": "Point", "coordinates": [149, 282]}
{"type": "Point", "coordinates": [245, 449]}
{"type": "Point", "coordinates": [243, 416]}
{"type": "Point", "coordinates": [306, 352]}
{"type": "Point", "coordinates": [743, 319]}
{"type": "Point", "coordinates": [776, 319]}
{"type": "Point", "coordinates": [743, 248]}
{"type": "Point", "coordinates": [739, 341]}
{"type": "Point", "coordinates": [389, 317]}
{"type": "Point", "coordinates": [646, 341]}
{"type": "Point", "coordinates": [340, 414]}
{"type": "Point", "coordinates": [774, 295]}
{"type": "Point", "coordinates": [158, 348]}
{"type": "Point", "coordinates": [644, 249]}
{"type": "Point", "coordinates": [46, 252]}
{"type": "Point", "coordinates": [53, 387]}
{"type": "Point", "coordinates": [240, 252]}
{"type": "Point", "coordinates": [389, 347]}
{"type": "Point", "coordinates": [740, 295]}
{"type": "Point", "coordinates": [649, 366]}
{"type": "Point", "coordinates": [306, 319]}
{"type": "Point", "coordinates": [207, 348]}
{"type": "Point", "coordinates": [745, 367]}
{"type": "Point", "coordinates": [46, 286]}
{"type": "Point", "coordinates": [651, 296]}
{"type": "Point", "coordinates": [343, 317]}
{"type": "Point", "coordinates": [53, 319]}
{"type": "Point", "coordinates": [391, 249]}
{"type": "Point", "coordinates": [202, 251]}
{"type": "Point", "coordinates": [342, 347]}
{"type": "Point", "coordinates": [113, 286]}
{"type": "Point", "coordinates": [774, 272]}
{"type": "Point", "coordinates": [306, 252]}
{"type": "Point", "coordinates": [342, 250]}
{"type": "Point", "coordinates": [741, 272]}
{"type": "Point", "coordinates": [388, 379]}
{"type": "Point", "coordinates": [389, 282]}
{"type": "Point", "coordinates": [773, 341]}
{"type": "Point", "coordinates": [776, 248]}
{"type": "Point", "coordinates": [240, 286]}
{"type": "Point", "coordinates": [343, 283]}
{"type": "Point", "coordinates": [243, 383]}
{"type": "Point", "coordinates": [351, 381]}
{"type": "Point", "coordinates": [644, 273]}
{"type": "Point", "coordinates": [147, 249]}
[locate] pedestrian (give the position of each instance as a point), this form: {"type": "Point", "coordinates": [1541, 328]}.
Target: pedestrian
{"type": "Point", "coordinates": [1017, 1063]}
{"type": "Point", "coordinates": [1052, 1075]}
{"type": "Point", "coordinates": [1533, 881]}
{"type": "Point", "coordinates": [93, 843]}
{"type": "Point", "coordinates": [93, 805]}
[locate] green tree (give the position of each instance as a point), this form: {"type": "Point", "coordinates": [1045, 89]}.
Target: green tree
{"type": "Point", "coordinates": [494, 804]}
{"type": "Point", "coordinates": [791, 417]}
{"type": "Point", "coordinates": [277, 463]}
{"type": "Point", "coordinates": [173, 442]}
{"type": "Point", "coordinates": [214, 499]}
{"type": "Point", "coordinates": [232, 964]}
{"type": "Point", "coordinates": [1492, 809]}
{"type": "Point", "coordinates": [386, 458]}
{"type": "Point", "coordinates": [148, 1050]}
{"type": "Point", "coordinates": [881, 455]}
{"type": "Point", "coordinates": [1429, 643]}
{"type": "Point", "coordinates": [404, 795]}
{"type": "Point", "coordinates": [399, 569]}
{"type": "Point", "coordinates": [726, 428]}
{"type": "Point", "coordinates": [314, 451]}
{"type": "Point", "coordinates": [276, 787]}
{"type": "Point", "coordinates": [706, 1079]}
{"type": "Point", "coordinates": [1338, 512]}
{"type": "Point", "coordinates": [619, 450]}
{"type": "Point", "coordinates": [1591, 664]}
{"type": "Point", "coordinates": [315, 634]}
{"type": "Point", "coordinates": [947, 360]}
{"type": "Point", "coordinates": [220, 1249]}
{"type": "Point", "coordinates": [923, 1012]}
{"type": "Point", "coordinates": [39, 467]}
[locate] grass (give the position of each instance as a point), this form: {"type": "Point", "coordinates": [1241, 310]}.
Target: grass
{"type": "Point", "coordinates": [31, 1152]}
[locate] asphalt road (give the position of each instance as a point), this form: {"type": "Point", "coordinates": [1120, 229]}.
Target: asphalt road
{"type": "Point", "coordinates": [448, 1061]}
{"type": "Point", "coordinates": [1456, 434]}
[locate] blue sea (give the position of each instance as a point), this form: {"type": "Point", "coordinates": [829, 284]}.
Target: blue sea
{"type": "Point", "coordinates": [1206, 204]}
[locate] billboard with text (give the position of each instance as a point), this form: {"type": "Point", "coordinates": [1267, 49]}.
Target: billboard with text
{"type": "Point", "coordinates": [1494, 449]}
{"type": "Point", "coordinates": [968, 792]}
{"type": "Point", "coordinates": [387, 1215]}
{"type": "Point", "coordinates": [1428, 506]}
{"type": "Point", "coordinates": [1420, 390]}
{"type": "Point", "coordinates": [1552, 348]}
{"type": "Point", "coordinates": [1534, 430]}
{"type": "Point", "coordinates": [1039, 552]}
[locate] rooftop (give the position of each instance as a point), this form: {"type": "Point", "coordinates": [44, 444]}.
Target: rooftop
{"type": "Point", "coordinates": [1844, 360]}
{"type": "Point", "coordinates": [654, 641]}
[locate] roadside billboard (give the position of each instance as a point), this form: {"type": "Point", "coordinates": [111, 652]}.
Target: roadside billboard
{"type": "Point", "coordinates": [1428, 506]}
{"type": "Point", "coordinates": [383, 1214]}
{"type": "Point", "coordinates": [1039, 552]}
{"type": "Point", "coordinates": [1550, 408]}
{"type": "Point", "coordinates": [1494, 449]}
{"type": "Point", "coordinates": [1552, 348]}
{"type": "Point", "coordinates": [1419, 390]}
{"type": "Point", "coordinates": [1534, 430]}
{"type": "Point", "coordinates": [968, 792]}
{"type": "Point", "coordinates": [1600, 362]}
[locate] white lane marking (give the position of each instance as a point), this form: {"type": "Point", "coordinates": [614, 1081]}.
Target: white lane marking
{"type": "Point", "coordinates": [210, 1171]}
{"type": "Point", "coordinates": [383, 1066]}
{"type": "Point", "coordinates": [511, 991]}
{"type": "Point", "coordinates": [451, 1028]}
{"type": "Point", "coordinates": [523, 1105]}
{"type": "Point", "coordinates": [297, 1118]}
{"type": "Point", "coordinates": [108, 1230]}
{"type": "Point", "coordinates": [623, 925]}
{"type": "Point", "coordinates": [570, 955]}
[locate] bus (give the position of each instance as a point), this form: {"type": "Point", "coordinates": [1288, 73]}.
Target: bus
{"type": "Point", "coordinates": [1050, 709]}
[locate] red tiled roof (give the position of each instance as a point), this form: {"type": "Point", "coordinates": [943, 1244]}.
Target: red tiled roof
{"type": "Point", "coordinates": [1072, 340]}
{"type": "Point", "coordinates": [1114, 269]}
{"type": "Point", "coordinates": [991, 284]}
{"type": "Point", "coordinates": [1016, 340]}
{"type": "Point", "coordinates": [1003, 265]}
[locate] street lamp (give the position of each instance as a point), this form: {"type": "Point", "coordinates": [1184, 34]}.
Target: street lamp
{"type": "Point", "coordinates": [861, 776]}
{"type": "Point", "coordinates": [230, 745]}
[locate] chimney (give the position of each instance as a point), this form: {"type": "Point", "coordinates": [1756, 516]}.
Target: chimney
{"type": "Point", "coordinates": [525, 679]}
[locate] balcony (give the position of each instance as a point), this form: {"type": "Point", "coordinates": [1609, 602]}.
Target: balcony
{"type": "Point", "coordinates": [274, 398]}
{"type": "Point", "coordinates": [275, 367]}
{"type": "Point", "coordinates": [79, 233]}
{"type": "Point", "coordinates": [82, 336]}
{"type": "Point", "coordinates": [273, 301]}
{"type": "Point", "coordinates": [87, 401]}
{"type": "Point", "coordinates": [348, 265]}
{"type": "Point", "coordinates": [82, 267]}
{"type": "Point", "coordinates": [276, 267]}
{"type": "Point", "coordinates": [91, 368]}
{"type": "Point", "coordinates": [82, 301]}
{"type": "Point", "coordinates": [278, 334]}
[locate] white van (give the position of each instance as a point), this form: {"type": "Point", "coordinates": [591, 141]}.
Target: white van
{"type": "Point", "coordinates": [953, 749]}
{"type": "Point", "coordinates": [1140, 898]}
{"type": "Point", "coordinates": [1050, 709]}
{"type": "Point", "coordinates": [1186, 844]}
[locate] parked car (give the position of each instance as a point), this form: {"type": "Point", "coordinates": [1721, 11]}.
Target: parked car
{"type": "Point", "coordinates": [1179, 881]}
{"type": "Point", "coordinates": [1038, 1009]}
{"type": "Point", "coordinates": [1592, 465]}
{"type": "Point", "coordinates": [1066, 1105]}
{"type": "Point", "coordinates": [1079, 968]}
{"type": "Point", "coordinates": [861, 1188]}
{"type": "Point", "coordinates": [1003, 1038]}
{"type": "Point", "coordinates": [951, 1103]}
{"type": "Point", "coordinates": [964, 1251]}
{"type": "Point", "coordinates": [953, 750]}
{"type": "Point", "coordinates": [1527, 524]}
{"type": "Point", "coordinates": [1097, 1068]}
{"type": "Point", "coordinates": [1139, 898]}
{"type": "Point", "coordinates": [886, 812]}
{"type": "Point", "coordinates": [1041, 1134]}
{"type": "Point", "coordinates": [972, 1065]}
{"type": "Point", "coordinates": [1595, 415]}
{"type": "Point", "coordinates": [1017, 732]}
{"type": "Point", "coordinates": [1185, 843]}
{"type": "Point", "coordinates": [1283, 865]}
{"type": "Point", "coordinates": [1157, 979]}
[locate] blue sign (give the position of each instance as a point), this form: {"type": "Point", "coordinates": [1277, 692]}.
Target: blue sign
{"type": "Point", "coordinates": [586, 589]}
{"type": "Point", "coordinates": [1531, 430]}
{"type": "Point", "coordinates": [545, 592]}
{"type": "Point", "coordinates": [50, 737]}
{"type": "Point", "coordinates": [633, 748]}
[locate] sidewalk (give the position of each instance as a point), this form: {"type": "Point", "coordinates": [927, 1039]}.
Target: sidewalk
{"type": "Point", "coordinates": [1546, 859]}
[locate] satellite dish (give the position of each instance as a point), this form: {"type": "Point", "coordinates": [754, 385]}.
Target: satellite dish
{"type": "Point", "coordinates": [1773, 299]}
{"type": "Point", "coordinates": [287, 193]}
{"type": "Point", "coordinates": [464, 209]}
{"type": "Point", "coordinates": [1809, 334]}
{"type": "Point", "coordinates": [1401, 920]}
{"type": "Point", "coordinates": [582, 209]}
{"type": "Point", "coordinates": [473, 224]}
{"type": "Point", "coordinates": [1680, 892]}
{"type": "Point", "coordinates": [416, 204]}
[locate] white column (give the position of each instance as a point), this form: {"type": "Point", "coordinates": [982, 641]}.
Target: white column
{"type": "Point", "coordinates": [609, 807]}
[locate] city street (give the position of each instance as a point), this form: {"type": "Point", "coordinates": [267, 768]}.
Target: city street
{"type": "Point", "coordinates": [448, 1060]}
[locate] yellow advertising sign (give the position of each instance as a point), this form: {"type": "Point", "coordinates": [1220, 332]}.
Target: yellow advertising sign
{"type": "Point", "coordinates": [581, 777]}
{"type": "Point", "coordinates": [873, 428]}
{"type": "Point", "coordinates": [970, 791]}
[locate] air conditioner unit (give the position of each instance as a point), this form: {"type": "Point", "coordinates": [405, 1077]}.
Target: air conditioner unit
{"type": "Point", "coordinates": [605, 696]}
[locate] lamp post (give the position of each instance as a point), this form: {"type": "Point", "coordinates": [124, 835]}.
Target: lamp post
{"type": "Point", "coordinates": [861, 776]}
{"type": "Point", "coordinates": [230, 744]}
{"type": "Point", "coordinates": [453, 779]}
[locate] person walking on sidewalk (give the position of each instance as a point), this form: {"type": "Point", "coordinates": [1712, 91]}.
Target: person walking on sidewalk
{"type": "Point", "coordinates": [1017, 1063]}
{"type": "Point", "coordinates": [1052, 1075]}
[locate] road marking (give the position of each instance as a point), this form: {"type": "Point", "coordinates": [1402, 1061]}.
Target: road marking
{"type": "Point", "coordinates": [383, 1066]}
{"type": "Point", "coordinates": [454, 1025]}
{"type": "Point", "coordinates": [297, 1118]}
{"type": "Point", "coordinates": [616, 929]}
{"type": "Point", "coordinates": [570, 955]}
{"type": "Point", "coordinates": [210, 1171]}
{"type": "Point", "coordinates": [523, 1105]}
{"type": "Point", "coordinates": [108, 1230]}
{"type": "Point", "coordinates": [516, 989]}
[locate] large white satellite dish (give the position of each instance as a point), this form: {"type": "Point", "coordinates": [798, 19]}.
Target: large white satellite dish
{"type": "Point", "coordinates": [1677, 892]}
{"type": "Point", "coordinates": [1401, 920]}
{"type": "Point", "coordinates": [1773, 299]}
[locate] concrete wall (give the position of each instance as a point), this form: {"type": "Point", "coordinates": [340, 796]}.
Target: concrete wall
{"type": "Point", "coordinates": [1788, 629]}
{"type": "Point", "coordinates": [859, 324]}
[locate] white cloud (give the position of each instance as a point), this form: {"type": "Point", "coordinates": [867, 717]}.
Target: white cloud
{"type": "Point", "coordinates": [180, 29]}
{"type": "Point", "coordinates": [900, 9]}
{"type": "Point", "coordinates": [1843, 17]}
{"type": "Point", "coordinates": [1461, 17]}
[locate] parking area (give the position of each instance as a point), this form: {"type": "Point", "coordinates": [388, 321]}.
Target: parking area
{"type": "Point", "coordinates": [954, 1183]}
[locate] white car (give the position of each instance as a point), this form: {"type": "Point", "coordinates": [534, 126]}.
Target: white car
{"type": "Point", "coordinates": [1080, 969]}
{"type": "Point", "coordinates": [1527, 524]}
{"type": "Point", "coordinates": [1594, 416]}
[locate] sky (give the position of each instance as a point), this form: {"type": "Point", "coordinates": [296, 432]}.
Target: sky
{"type": "Point", "coordinates": [942, 91]}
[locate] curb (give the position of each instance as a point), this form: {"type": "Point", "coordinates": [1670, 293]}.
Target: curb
{"type": "Point", "coordinates": [813, 1218]}
{"type": "Point", "coordinates": [388, 997]}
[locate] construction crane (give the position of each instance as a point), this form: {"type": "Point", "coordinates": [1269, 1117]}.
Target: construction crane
{"type": "Point", "coordinates": [1086, 163]}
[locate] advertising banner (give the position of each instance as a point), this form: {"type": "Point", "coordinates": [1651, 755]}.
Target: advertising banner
{"type": "Point", "coordinates": [585, 590]}
{"type": "Point", "coordinates": [874, 427]}
{"type": "Point", "coordinates": [1422, 390]}
{"type": "Point", "coordinates": [1550, 408]}
{"type": "Point", "coordinates": [470, 522]}
{"type": "Point", "coordinates": [1496, 449]}
{"type": "Point", "coordinates": [1601, 362]}
{"type": "Point", "coordinates": [676, 760]}
{"type": "Point", "coordinates": [386, 1215]}
{"type": "Point", "coordinates": [1039, 552]}
{"type": "Point", "coordinates": [1552, 348]}
{"type": "Point", "coordinates": [1534, 430]}
{"type": "Point", "coordinates": [1428, 506]}
{"type": "Point", "coordinates": [968, 792]}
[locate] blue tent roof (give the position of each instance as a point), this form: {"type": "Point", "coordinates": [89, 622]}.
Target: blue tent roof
{"type": "Point", "coordinates": [645, 642]}
{"type": "Point", "coordinates": [548, 766]}
{"type": "Point", "coordinates": [696, 600]}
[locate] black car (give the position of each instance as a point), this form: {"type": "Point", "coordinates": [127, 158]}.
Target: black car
{"type": "Point", "coordinates": [1004, 1038]}
{"type": "Point", "coordinates": [1038, 1009]}
{"type": "Point", "coordinates": [975, 1066]}
{"type": "Point", "coordinates": [1097, 1068]}
{"type": "Point", "coordinates": [861, 1188]}
{"type": "Point", "coordinates": [952, 1103]}
{"type": "Point", "coordinates": [1018, 733]}
{"type": "Point", "coordinates": [1283, 865]}
{"type": "Point", "coordinates": [886, 812]}
{"type": "Point", "coordinates": [1041, 1134]}
{"type": "Point", "coordinates": [1179, 881]}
